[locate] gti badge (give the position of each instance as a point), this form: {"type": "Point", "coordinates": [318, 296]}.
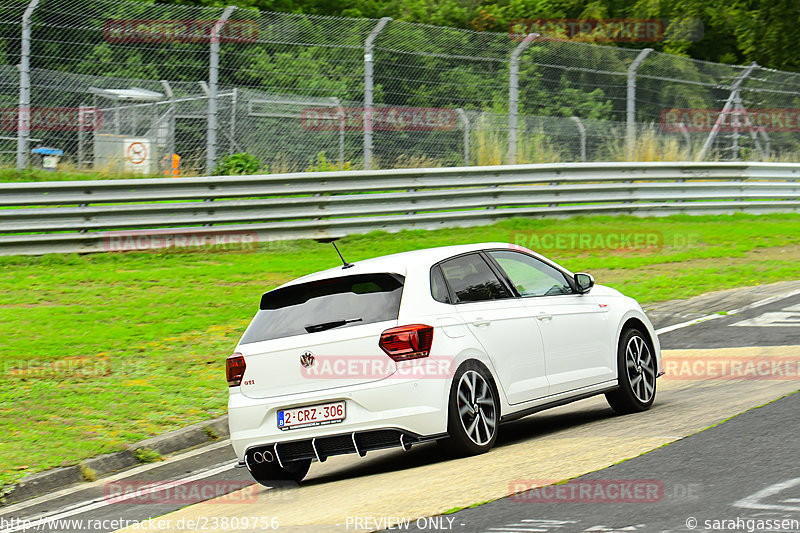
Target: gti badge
{"type": "Point", "coordinates": [307, 359]}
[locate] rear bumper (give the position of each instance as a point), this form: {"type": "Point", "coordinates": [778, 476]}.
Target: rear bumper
{"type": "Point", "coordinates": [378, 415]}
{"type": "Point", "coordinates": [320, 448]}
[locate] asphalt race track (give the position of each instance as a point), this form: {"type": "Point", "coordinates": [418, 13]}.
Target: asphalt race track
{"type": "Point", "coordinates": [745, 468]}
{"type": "Point", "coordinates": [775, 324]}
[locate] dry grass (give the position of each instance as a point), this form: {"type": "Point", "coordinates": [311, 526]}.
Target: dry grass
{"type": "Point", "coordinates": [490, 147]}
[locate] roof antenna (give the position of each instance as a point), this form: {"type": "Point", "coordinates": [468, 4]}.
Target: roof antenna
{"type": "Point", "coordinates": [332, 240]}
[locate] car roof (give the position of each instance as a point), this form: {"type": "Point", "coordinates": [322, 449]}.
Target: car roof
{"type": "Point", "coordinates": [397, 263]}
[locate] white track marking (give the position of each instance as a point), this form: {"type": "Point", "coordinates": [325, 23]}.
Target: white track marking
{"type": "Point", "coordinates": [755, 501]}
{"type": "Point", "coordinates": [121, 475]}
{"type": "Point", "coordinates": [517, 530]}
{"type": "Point", "coordinates": [688, 323]}
{"type": "Point", "coordinates": [532, 525]}
{"type": "Point", "coordinates": [788, 316]}
{"type": "Point", "coordinates": [103, 501]}
{"type": "Point", "coordinates": [754, 305]}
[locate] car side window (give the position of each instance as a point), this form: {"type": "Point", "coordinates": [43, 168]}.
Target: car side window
{"type": "Point", "coordinates": [472, 280]}
{"type": "Point", "coordinates": [438, 287]}
{"type": "Point", "coordinates": [530, 276]}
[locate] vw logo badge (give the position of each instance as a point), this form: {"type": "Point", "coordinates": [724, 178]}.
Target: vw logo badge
{"type": "Point", "coordinates": [307, 359]}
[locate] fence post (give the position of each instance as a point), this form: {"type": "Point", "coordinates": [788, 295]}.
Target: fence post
{"type": "Point", "coordinates": [582, 133]}
{"type": "Point", "coordinates": [752, 130]}
{"type": "Point", "coordinates": [686, 137]}
{"type": "Point", "coordinates": [340, 115]}
{"type": "Point", "coordinates": [729, 103]}
{"type": "Point", "coordinates": [513, 95]}
{"type": "Point", "coordinates": [368, 89]}
{"type": "Point", "coordinates": [630, 136]}
{"type": "Point", "coordinates": [170, 144]}
{"type": "Point", "coordinates": [213, 78]}
{"type": "Point", "coordinates": [234, 103]}
{"type": "Point", "coordinates": [24, 113]}
{"type": "Point", "coordinates": [465, 122]}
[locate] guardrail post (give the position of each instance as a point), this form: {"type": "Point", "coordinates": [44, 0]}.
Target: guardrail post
{"type": "Point", "coordinates": [729, 103]}
{"type": "Point", "coordinates": [630, 136]}
{"type": "Point", "coordinates": [24, 112]}
{"type": "Point", "coordinates": [368, 89]}
{"type": "Point", "coordinates": [213, 78]}
{"type": "Point", "coordinates": [465, 122]}
{"type": "Point", "coordinates": [513, 95]}
{"type": "Point", "coordinates": [582, 133]}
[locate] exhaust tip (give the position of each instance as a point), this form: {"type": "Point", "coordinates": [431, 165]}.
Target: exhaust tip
{"type": "Point", "coordinates": [263, 457]}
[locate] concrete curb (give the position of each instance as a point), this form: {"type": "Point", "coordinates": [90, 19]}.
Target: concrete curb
{"type": "Point", "coordinates": [168, 443]}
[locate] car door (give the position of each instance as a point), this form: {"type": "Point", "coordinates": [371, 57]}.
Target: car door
{"type": "Point", "coordinates": [573, 326]}
{"type": "Point", "coordinates": [501, 323]}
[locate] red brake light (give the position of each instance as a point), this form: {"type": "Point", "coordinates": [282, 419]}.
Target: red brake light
{"type": "Point", "coordinates": [234, 367]}
{"type": "Point", "coordinates": [407, 342]}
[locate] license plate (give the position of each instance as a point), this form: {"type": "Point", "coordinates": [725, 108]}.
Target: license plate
{"type": "Point", "coordinates": [312, 415]}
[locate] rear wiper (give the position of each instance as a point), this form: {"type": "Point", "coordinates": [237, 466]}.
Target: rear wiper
{"type": "Point", "coordinates": [313, 328]}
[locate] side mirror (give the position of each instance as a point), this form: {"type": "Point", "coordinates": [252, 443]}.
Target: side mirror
{"type": "Point", "coordinates": [584, 282]}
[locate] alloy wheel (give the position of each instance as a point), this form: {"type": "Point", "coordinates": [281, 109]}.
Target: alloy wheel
{"type": "Point", "coordinates": [476, 407]}
{"type": "Point", "coordinates": [641, 370]}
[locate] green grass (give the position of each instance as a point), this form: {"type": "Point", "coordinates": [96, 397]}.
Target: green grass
{"type": "Point", "coordinates": [102, 350]}
{"type": "Point", "coordinates": [10, 175]}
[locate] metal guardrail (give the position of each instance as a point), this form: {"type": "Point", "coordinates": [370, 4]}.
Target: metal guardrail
{"type": "Point", "coordinates": [85, 216]}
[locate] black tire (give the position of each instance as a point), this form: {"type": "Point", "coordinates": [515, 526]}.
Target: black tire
{"type": "Point", "coordinates": [636, 374]}
{"type": "Point", "coordinates": [272, 474]}
{"type": "Point", "coordinates": [460, 442]}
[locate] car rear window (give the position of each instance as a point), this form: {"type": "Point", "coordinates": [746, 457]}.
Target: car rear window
{"type": "Point", "coordinates": [326, 304]}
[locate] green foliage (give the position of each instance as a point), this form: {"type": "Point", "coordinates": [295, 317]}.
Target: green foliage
{"type": "Point", "coordinates": [321, 164]}
{"type": "Point", "coordinates": [210, 433]}
{"type": "Point", "coordinates": [33, 174]}
{"type": "Point", "coordinates": [238, 164]}
{"type": "Point", "coordinates": [88, 474]}
{"type": "Point", "coordinates": [146, 455]}
{"type": "Point", "coordinates": [736, 31]}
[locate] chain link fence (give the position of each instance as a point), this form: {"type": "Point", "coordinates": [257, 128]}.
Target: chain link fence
{"type": "Point", "coordinates": [121, 86]}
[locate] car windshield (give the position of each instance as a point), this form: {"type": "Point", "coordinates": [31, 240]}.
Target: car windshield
{"type": "Point", "coordinates": [326, 304]}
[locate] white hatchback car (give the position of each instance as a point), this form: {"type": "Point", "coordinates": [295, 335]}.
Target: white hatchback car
{"type": "Point", "coordinates": [437, 344]}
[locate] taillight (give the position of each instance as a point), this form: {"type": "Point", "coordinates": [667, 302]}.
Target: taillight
{"type": "Point", "coordinates": [407, 342]}
{"type": "Point", "coordinates": [234, 367]}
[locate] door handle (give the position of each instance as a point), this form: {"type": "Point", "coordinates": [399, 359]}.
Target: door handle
{"type": "Point", "coordinates": [544, 316]}
{"type": "Point", "coordinates": [481, 322]}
